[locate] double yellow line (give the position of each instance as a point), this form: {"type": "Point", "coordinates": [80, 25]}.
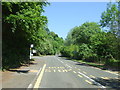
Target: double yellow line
{"type": "Point", "coordinates": [38, 81]}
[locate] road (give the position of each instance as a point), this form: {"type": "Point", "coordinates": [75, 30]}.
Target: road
{"type": "Point", "coordinates": [58, 72]}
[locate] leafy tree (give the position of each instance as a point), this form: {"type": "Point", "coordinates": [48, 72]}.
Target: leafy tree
{"type": "Point", "coordinates": [109, 18]}
{"type": "Point", "coordinates": [83, 33]}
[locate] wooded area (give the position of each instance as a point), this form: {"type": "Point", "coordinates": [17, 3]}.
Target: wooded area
{"type": "Point", "coordinates": [24, 24]}
{"type": "Point", "coordinates": [96, 42]}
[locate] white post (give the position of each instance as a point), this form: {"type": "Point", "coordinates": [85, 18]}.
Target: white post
{"type": "Point", "coordinates": [30, 52]}
{"type": "Point", "coordinates": [31, 46]}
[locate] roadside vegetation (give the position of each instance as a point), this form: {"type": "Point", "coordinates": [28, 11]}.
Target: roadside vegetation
{"type": "Point", "coordinates": [23, 24]}
{"type": "Point", "coordinates": [96, 42]}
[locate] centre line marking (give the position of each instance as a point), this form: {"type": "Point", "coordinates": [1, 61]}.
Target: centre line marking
{"type": "Point", "coordinates": [37, 83]}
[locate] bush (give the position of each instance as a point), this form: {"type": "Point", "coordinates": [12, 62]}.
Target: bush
{"type": "Point", "coordinates": [112, 63]}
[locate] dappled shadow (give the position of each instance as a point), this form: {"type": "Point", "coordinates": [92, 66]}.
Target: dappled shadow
{"type": "Point", "coordinates": [110, 83]}
{"type": "Point", "coordinates": [19, 71]}
{"type": "Point", "coordinates": [24, 64]}
{"type": "Point", "coordinates": [18, 65]}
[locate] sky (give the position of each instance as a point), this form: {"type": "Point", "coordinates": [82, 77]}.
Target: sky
{"type": "Point", "coordinates": [63, 16]}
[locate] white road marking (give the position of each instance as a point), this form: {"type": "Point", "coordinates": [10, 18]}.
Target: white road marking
{"type": "Point", "coordinates": [92, 80]}
{"type": "Point", "coordinates": [63, 62]}
{"type": "Point", "coordinates": [38, 71]}
{"type": "Point", "coordinates": [54, 70]}
{"type": "Point", "coordinates": [30, 86]}
{"type": "Point", "coordinates": [59, 70]}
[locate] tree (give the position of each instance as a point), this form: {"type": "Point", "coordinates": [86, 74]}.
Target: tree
{"type": "Point", "coordinates": [21, 24]}
{"type": "Point", "coordinates": [109, 18]}
{"type": "Point", "coordinates": [83, 33]}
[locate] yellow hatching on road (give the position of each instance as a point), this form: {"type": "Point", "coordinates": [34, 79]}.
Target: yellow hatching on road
{"type": "Point", "coordinates": [74, 72]}
{"type": "Point", "coordinates": [80, 75]}
{"type": "Point", "coordinates": [88, 82]}
{"type": "Point", "coordinates": [92, 76]}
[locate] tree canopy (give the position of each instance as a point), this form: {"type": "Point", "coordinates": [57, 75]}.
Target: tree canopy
{"type": "Point", "coordinates": [24, 24]}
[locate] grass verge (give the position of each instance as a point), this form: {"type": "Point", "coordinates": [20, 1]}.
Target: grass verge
{"type": "Point", "coordinates": [87, 63]}
{"type": "Point", "coordinates": [90, 63]}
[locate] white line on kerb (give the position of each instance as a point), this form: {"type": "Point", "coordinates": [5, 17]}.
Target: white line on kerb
{"type": "Point", "coordinates": [30, 86]}
{"type": "Point", "coordinates": [92, 80]}
{"type": "Point", "coordinates": [38, 72]}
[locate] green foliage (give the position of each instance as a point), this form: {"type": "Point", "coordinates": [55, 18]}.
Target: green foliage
{"type": "Point", "coordinates": [83, 33]}
{"type": "Point", "coordinates": [86, 52]}
{"type": "Point", "coordinates": [24, 24]}
{"type": "Point", "coordinates": [70, 51]}
{"type": "Point", "coordinates": [89, 43]}
{"type": "Point", "coordinates": [109, 18]}
{"type": "Point", "coordinates": [113, 63]}
{"type": "Point", "coordinates": [81, 38]}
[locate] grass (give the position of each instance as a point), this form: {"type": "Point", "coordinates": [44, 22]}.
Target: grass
{"type": "Point", "coordinates": [91, 63]}
{"type": "Point", "coordinates": [88, 63]}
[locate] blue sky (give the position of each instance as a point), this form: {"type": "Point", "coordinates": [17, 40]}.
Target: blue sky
{"type": "Point", "coordinates": [63, 16]}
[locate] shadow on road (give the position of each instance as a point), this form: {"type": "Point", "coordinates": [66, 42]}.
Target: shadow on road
{"type": "Point", "coordinates": [111, 83]}
{"type": "Point", "coordinates": [20, 71]}
{"type": "Point", "coordinates": [83, 64]}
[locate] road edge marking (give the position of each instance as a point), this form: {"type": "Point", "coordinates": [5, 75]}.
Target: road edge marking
{"type": "Point", "coordinates": [92, 80]}
{"type": "Point", "coordinates": [37, 83]}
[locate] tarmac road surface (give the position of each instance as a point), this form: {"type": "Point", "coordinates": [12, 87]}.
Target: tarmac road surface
{"type": "Point", "coordinates": [58, 72]}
